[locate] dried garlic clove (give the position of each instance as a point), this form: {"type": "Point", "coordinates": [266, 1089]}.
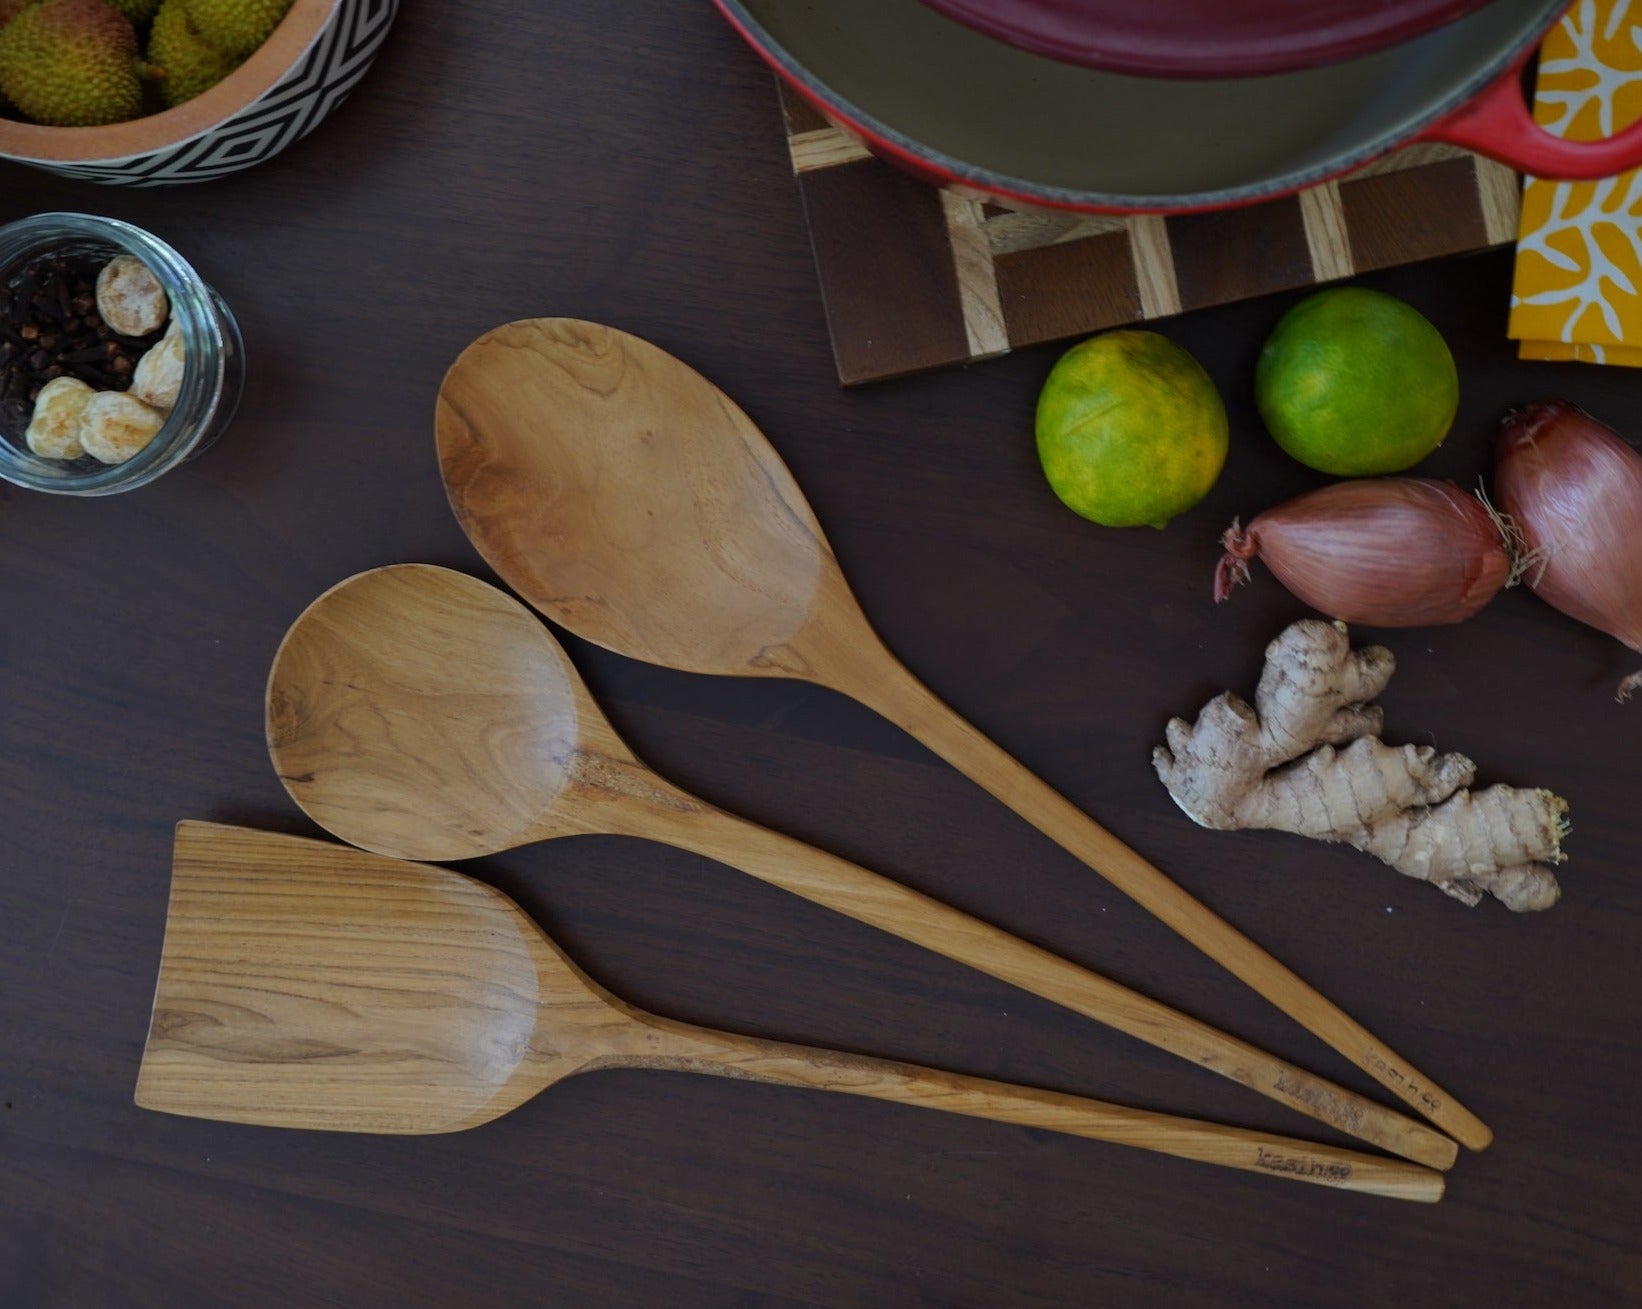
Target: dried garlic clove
{"type": "Point", "coordinates": [158, 378]}
{"type": "Point", "coordinates": [54, 427]}
{"type": "Point", "coordinates": [130, 298]}
{"type": "Point", "coordinates": [116, 425]}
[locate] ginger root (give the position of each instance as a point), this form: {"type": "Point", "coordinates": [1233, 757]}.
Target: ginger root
{"type": "Point", "coordinates": [1307, 759]}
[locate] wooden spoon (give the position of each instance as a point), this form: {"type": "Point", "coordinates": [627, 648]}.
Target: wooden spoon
{"type": "Point", "coordinates": [306, 985]}
{"type": "Point", "coordinates": [626, 497]}
{"type": "Point", "coordinates": [422, 713]}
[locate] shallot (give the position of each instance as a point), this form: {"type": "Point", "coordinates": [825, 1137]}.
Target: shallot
{"type": "Point", "coordinates": [1572, 490]}
{"type": "Point", "coordinates": [1384, 552]}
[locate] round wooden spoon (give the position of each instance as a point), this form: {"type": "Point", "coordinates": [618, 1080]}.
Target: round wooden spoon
{"type": "Point", "coordinates": [422, 713]}
{"type": "Point", "coordinates": [307, 985]}
{"type": "Point", "coordinates": [626, 497]}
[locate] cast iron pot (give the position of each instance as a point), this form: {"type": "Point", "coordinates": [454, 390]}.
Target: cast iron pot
{"type": "Point", "coordinates": [960, 109]}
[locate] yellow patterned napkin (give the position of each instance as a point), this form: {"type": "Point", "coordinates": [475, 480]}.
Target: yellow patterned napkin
{"type": "Point", "coordinates": [1578, 287]}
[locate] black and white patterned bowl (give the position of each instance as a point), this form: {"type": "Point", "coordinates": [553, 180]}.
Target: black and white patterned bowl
{"type": "Point", "coordinates": [304, 70]}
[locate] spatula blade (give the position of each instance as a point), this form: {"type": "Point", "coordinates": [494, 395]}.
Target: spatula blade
{"type": "Point", "coordinates": [307, 985]}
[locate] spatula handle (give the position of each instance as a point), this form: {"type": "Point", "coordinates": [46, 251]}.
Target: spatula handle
{"type": "Point", "coordinates": [894, 692]}
{"type": "Point", "coordinates": [661, 1043]}
{"type": "Point", "coordinates": [870, 898]}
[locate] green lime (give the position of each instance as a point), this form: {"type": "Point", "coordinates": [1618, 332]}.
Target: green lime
{"type": "Point", "coordinates": [1356, 383]}
{"type": "Point", "coordinates": [1131, 430]}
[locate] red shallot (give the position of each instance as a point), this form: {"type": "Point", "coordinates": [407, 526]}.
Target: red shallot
{"type": "Point", "coordinates": [1383, 551]}
{"type": "Point", "coordinates": [1572, 490]}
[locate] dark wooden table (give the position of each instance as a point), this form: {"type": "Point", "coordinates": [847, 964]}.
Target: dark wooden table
{"type": "Point", "coordinates": [509, 160]}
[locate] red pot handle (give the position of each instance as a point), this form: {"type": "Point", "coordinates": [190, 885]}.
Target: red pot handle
{"type": "Point", "coordinates": [1497, 123]}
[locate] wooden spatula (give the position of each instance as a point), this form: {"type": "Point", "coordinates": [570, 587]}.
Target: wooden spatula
{"type": "Point", "coordinates": [307, 985]}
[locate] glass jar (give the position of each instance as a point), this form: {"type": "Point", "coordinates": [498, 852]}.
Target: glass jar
{"type": "Point", "coordinates": [213, 354]}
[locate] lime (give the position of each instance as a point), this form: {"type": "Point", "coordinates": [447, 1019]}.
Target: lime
{"type": "Point", "coordinates": [1131, 430]}
{"type": "Point", "coordinates": [1356, 383]}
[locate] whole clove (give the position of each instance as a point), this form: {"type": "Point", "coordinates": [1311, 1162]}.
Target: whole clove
{"type": "Point", "coordinates": [51, 329]}
{"type": "Point", "coordinates": [55, 332]}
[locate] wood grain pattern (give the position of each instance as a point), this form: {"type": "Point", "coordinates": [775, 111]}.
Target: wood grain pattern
{"type": "Point", "coordinates": [1499, 192]}
{"type": "Point", "coordinates": [977, 276]}
{"type": "Point", "coordinates": [1154, 266]}
{"type": "Point", "coordinates": [1235, 254]}
{"type": "Point", "coordinates": [423, 714]}
{"type": "Point", "coordinates": [1437, 209]}
{"type": "Point", "coordinates": [824, 148]}
{"type": "Point", "coordinates": [1327, 236]}
{"type": "Point", "coordinates": [306, 985]}
{"type": "Point", "coordinates": [1068, 288]}
{"type": "Point", "coordinates": [626, 497]}
{"type": "Point", "coordinates": [882, 241]}
{"type": "Point", "coordinates": [1443, 200]}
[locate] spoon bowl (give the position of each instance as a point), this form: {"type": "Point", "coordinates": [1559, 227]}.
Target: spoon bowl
{"type": "Point", "coordinates": [570, 453]}
{"type": "Point", "coordinates": [420, 713]}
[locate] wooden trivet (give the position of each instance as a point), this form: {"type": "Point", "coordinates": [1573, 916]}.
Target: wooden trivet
{"type": "Point", "coordinates": [916, 278]}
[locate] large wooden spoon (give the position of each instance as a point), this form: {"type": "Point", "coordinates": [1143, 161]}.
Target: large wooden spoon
{"type": "Point", "coordinates": [307, 985]}
{"type": "Point", "coordinates": [422, 713]}
{"type": "Point", "coordinates": [626, 497]}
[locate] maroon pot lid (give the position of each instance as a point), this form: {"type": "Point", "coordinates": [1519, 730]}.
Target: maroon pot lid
{"type": "Point", "coordinates": [1203, 38]}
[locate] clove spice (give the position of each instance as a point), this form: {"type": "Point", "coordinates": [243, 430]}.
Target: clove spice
{"type": "Point", "coordinates": [51, 329]}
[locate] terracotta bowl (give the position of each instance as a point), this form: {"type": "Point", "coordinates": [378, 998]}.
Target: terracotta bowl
{"type": "Point", "coordinates": [277, 96]}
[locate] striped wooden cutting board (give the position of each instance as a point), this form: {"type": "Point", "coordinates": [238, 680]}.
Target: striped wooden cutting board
{"type": "Point", "coordinates": [915, 278]}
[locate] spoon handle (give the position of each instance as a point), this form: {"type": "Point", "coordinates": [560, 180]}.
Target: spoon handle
{"type": "Point", "coordinates": [870, 898]}
{"type": "Point", "coordinates": [880, 681]}
{"type": "Point", "coordinates": [653, 1042]}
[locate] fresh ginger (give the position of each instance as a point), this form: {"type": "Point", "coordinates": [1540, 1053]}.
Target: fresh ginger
{"type": "Point", "coordinates": [1307, 759]}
